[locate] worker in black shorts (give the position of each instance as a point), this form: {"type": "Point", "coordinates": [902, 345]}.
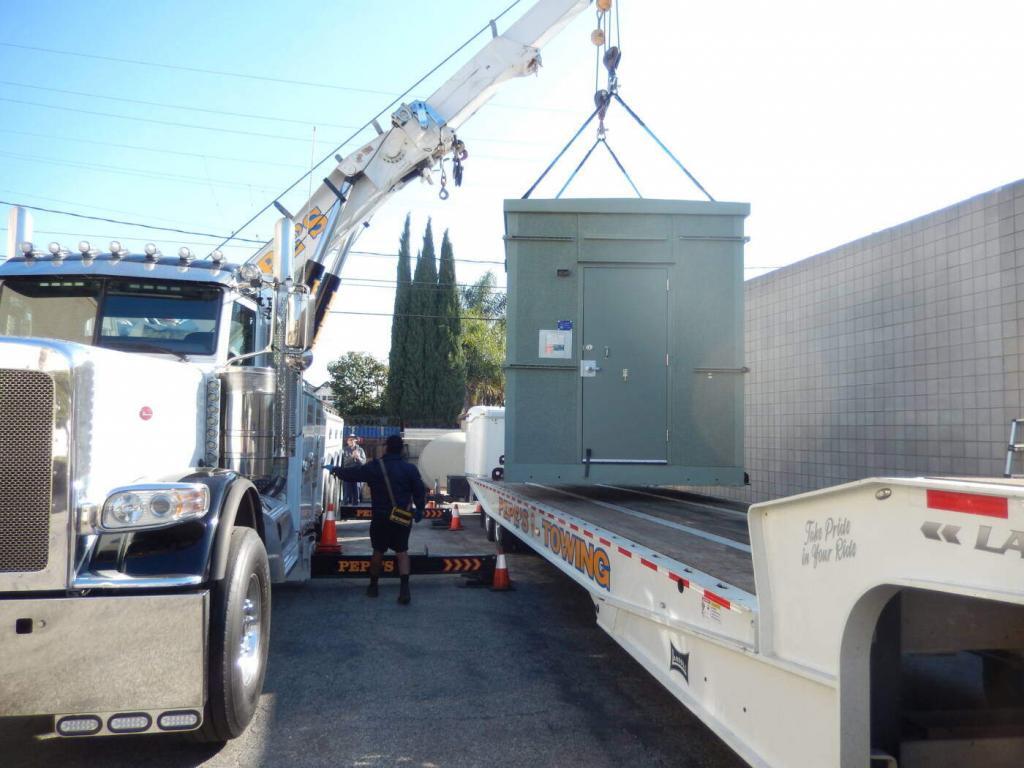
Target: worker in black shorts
{"type": "Point", "coordinates": [394, 485]}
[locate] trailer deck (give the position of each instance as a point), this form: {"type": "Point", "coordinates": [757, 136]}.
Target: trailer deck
{"type": "Point", "coordinates": [711, 537]}
{"type": "Point", "coordinates": [797, 629]}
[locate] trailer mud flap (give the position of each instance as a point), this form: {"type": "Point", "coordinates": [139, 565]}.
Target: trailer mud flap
{"type": "Point", "coordinates": [326, 566]}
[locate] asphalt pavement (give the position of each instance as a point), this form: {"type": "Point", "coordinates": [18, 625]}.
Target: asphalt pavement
{"type": "Point", "coordinates": [462, 677]}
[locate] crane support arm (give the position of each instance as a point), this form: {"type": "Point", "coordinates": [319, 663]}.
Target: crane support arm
{"type": "Point", "coordinates": [421, 134]}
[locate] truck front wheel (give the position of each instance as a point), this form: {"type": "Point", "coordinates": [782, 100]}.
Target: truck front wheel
{"type": "Point", "coordinates": [239, 638]}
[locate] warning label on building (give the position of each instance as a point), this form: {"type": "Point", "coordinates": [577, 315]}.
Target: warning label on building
{"type": "Point", "coordinates": [555, 344]}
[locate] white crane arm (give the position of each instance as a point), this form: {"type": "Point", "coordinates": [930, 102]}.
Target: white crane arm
{"type": "Point", "coordinates": [421, 134]}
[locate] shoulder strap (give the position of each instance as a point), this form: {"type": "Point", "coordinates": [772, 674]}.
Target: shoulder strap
{"type": "Point", "coordinates": [387, 482]}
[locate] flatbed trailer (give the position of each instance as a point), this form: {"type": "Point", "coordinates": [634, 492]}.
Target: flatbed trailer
{"type": "Point", "coordinates": [878, 622]}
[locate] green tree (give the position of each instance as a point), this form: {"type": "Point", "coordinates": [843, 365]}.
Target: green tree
{"type": "Point", "coordinates": [421, 340]}
{"type": "Point", "coordinates": [483, 341]}
{"type": "Point", "coordinates": [357, 382]}
{"type": "Point", "coordinates": [450, 384]}
{"type": "Point", "coordinates": [397, 392]}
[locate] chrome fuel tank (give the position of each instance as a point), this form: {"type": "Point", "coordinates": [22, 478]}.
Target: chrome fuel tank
{"type": "Point", "coordinates": [248, 408]}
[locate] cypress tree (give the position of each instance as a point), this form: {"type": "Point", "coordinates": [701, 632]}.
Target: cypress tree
{"type": "Point", "coordinates": [396, 397]}
{"type": "Point", "coordinates": [421, 372]}
{"type": "Point", "coordinates": [450, 391]}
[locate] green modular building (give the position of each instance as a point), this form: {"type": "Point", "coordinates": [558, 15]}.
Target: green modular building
{"type": "Point", "coordinates": [625, 342]}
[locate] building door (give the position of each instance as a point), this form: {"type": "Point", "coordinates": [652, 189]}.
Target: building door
{"type": "Point", "coordinates": [625, 391]}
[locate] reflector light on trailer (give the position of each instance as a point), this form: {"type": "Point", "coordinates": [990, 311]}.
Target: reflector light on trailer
{"type": "Point", "coordinates": [180, 720]}
{"type": "Point", "coordinates": [970, 503]}
{"type": "Point", "coordinates": [130, 722]}
{"type": "Point", "coordinates": [79, 725]}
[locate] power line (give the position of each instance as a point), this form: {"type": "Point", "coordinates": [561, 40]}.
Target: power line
{"type": "Point", "coordinates": [199, 70]}
{"type": "Point", "coordinates": [100, 236]}
{"type": "Point", "coordinates": [372, 282]}
{"type": "Point", "coordinates": [200, 155]}
{"type": "Point", "coordinates": [379, 254]}
{"type": "Point", "coordinates": [159, 176]}
{"type": "Point", "coordinates": [376, 254]}
{"type": "Point", "coordinates": [369, 122]}
{"type": "Point", "coordinates": [19, 193]}
{"type": "Point", "coordinates": [421, 317]}
{"type": "Point", "coordinates": [126, 223]}
{"type": "Point", "coordinates": [154, 121]}
{"type": "Point", "coordinates": [165, 105]}
{"type": "Point", "coordinates": [224, 73]}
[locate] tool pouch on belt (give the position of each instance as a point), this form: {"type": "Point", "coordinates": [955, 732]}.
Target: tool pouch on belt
{"type": "Point", "coordinates": [398, 515]}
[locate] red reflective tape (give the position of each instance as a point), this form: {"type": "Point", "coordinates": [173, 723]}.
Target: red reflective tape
{"type": "Point", "coordinates": [971, 503]}
{"type": "Point", "coordinates": [624, 551]}
{"type": "Point", "coordinates": [574, 526]}
{"type": "Point", "coordinates": [588, 533]}
{"type": "Point", "coordinates": [649, 564]}
{"type": "Point", "coordinates": [604, 541]}
{"type": "Point", "coordinates": [561, 521]}
{"type": "Point", "coordinates": [716, 599]}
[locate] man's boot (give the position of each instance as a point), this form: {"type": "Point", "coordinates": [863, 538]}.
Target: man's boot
{"type": "Point", "coordinates": [375, 567]}
{"type": "Point", "coordinates": [403, 591]}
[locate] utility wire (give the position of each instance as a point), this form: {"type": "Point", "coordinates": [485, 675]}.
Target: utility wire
{"type": "Point", "coordinates": [238, 74]}
{"type": "Point", "coordinates": [104, 209]}
{"type": "Point", "coordinates": [496, 290]}
{"type": "Point", "coordinates": [199, 70]}
{"type": "Point", "coordinates": [485, 318]}
{"type": "Point", "coordinates": [178, 153]}
{"type": "Point", "coordinates": [166, 105]}
{"type": "Point", "coordinates": [125, 223]}
{"type": "Point", "coordinates": [370, 122]}
{"type": "Point", "coordinates": [117, 169]}
{"type": "Point", "coordinates": [380, 254]}
{"type": "Point", "coordinates": [154, 121]}
{"type": "Point", "coordinates": [376, 254]}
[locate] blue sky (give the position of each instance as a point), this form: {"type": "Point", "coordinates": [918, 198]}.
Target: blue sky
{"type": "Point", "coordinates": [832, 120]}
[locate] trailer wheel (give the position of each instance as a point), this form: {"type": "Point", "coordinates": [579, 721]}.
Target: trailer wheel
{"type": "Point", "coordinates": [489, 526]}
{"type": "Point", "coordinates": [1003, 679]}
{"type": "Point", "coordinates": [507, 541]}
{"type": "Point", "coordinates": [239, 639]}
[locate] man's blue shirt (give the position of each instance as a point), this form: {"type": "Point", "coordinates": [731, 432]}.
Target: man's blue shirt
{"type": "Point", "coordinates": [405, 479]}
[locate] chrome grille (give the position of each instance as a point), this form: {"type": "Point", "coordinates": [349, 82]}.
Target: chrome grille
{"type": "Point", "coordinates": [26, 443]}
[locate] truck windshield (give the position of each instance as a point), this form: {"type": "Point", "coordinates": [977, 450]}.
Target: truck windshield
{"type": "Point", "coordinates": [122, 314]}
{"type": "Point", "coordinates": [50, 309]}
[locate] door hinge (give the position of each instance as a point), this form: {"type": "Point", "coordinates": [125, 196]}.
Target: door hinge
{"type": "Point", "coordinates": [667, 284]}
{"type": "Point", "coordinates": [666, 435]}
{"type": "Point", "coordinates": [666, 359]}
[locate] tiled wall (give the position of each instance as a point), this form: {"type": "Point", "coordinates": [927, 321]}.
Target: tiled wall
{"type": "Point", "coordinates": [896, 354]}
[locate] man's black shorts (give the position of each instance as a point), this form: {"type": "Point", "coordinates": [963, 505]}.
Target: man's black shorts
{"type": "Point", "coordinates": [385, 535]}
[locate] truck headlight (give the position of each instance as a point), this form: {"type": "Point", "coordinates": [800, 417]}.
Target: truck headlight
{"type": "Point", "coordinates": [155, 506]}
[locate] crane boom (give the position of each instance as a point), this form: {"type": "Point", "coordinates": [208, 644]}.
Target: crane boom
{"type": "Point", "coordinates": [422, 133]}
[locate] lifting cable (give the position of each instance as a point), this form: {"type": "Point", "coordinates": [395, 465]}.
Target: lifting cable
{"type": "Point", "coordinates": [610, 55]}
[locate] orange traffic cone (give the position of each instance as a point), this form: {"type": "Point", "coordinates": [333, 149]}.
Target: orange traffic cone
{"type": "Point", "coordinates": [501, 580]}
{"type": "Point", "coordinates": [329, 544]}
{"type": "Point", "coordinates": [456, 524]}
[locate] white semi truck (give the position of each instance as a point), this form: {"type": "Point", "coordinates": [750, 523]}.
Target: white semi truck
{"type": "Point", "coordinates": [161, 457]}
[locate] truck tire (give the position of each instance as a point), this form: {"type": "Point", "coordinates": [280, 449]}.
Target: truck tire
{"type": "Point", "coordinates": [489, 526]}
{"type": "Point", "coordinates": [239, 639]}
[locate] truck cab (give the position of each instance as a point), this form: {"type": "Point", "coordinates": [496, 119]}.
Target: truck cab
{"type": "Point", "coordinates": [161, 468]}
